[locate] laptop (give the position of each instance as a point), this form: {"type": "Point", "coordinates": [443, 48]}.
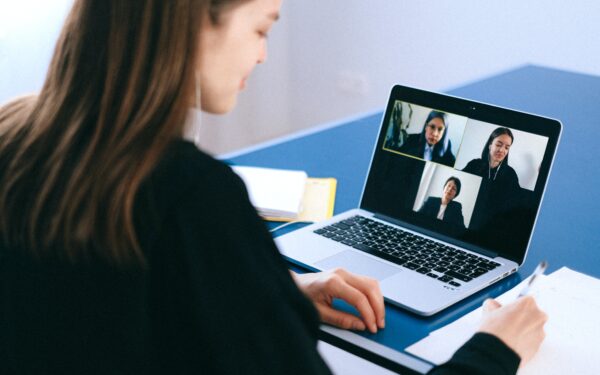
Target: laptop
{"type": "Point", "coordinates": [449, 205]}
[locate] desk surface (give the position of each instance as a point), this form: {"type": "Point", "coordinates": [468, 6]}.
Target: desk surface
{"type": "Point", "coordinates": [566, 233]}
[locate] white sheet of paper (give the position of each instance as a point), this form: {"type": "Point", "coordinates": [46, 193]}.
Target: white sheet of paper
{"type": "Point", "coordinates": [572, 344]}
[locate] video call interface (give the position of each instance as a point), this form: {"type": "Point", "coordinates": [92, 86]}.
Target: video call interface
{"type": "Point", "coordinates": [470, 180]}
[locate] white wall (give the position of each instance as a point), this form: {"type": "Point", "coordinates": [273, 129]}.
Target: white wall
{"type": "Point", "coordinates": [347, 54]}
{"type": "Point", "coordinates": [28, 32]}
{"type": "Point", "coordinates": [332, 59]}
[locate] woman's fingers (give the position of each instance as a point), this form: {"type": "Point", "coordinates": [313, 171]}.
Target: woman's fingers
{"type": "Point", "coordinates": [370, 288]}
{"type": "Point", "coordinates": [340, 319]}
{"type": "Point", "coordinates": [340, 288]}
{"type": "Point", "coordinates": [491, 305]}
{"type": "Point", "coordinates": [361, 292]}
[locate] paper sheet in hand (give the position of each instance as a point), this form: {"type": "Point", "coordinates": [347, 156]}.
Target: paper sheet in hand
{"type": "Point", "coordinates": [572, 302]}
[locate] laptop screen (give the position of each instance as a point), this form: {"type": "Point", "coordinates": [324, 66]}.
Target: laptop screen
{"type": "Point", "coordinates": [465, 172]}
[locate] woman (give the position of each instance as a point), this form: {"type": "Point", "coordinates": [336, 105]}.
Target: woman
{"type": "Point", "coordinates": [432, 144]}
{"type": "Point", "coordinates": [445, 208]}
{"type": "Point", "coordinates": [500, 184]}
{"type": "Point", "coordinates": [125, 249]}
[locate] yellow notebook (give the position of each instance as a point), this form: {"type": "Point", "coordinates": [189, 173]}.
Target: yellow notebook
{"type": "Point", "coordinates": [318, 201]}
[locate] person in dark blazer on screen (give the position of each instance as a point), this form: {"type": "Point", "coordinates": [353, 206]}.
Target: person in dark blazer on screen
{"type": "Point", "coordinates": [445, 208]}
{"type": "Point", "coordinates": [433, 143]}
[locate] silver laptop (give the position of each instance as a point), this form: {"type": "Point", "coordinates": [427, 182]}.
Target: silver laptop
{"type": "Point", "coordinates": [449, 205]}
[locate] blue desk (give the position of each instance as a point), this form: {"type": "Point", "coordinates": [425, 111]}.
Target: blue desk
{"type": "Point", "coordinates": [567, 231]}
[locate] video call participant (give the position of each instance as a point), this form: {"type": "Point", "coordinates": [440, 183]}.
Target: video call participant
{"type": "Point", "coordinates": [126, 250]}
{"type": "Point", "coordinates": [432, 144]}
{"type": "Point", "coordinates": [445, 208]}
{"type": "Point", "coordinates": [500, 185]}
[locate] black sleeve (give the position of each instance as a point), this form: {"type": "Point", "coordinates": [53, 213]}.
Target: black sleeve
{"type": "Point", "coordinates": [426, 207]}
{"type": "Point", "coordinates": [247, 314]}
{"type": "Point", "coordinates": [472, 167]}
{"type": "Point", "coordinates": [482, 354]}
{"type": "Point", "coordinates": [456, 217]}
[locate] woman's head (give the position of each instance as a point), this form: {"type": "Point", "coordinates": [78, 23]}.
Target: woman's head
{"type": "Point", "coordinates": [117, 93]}
{"type": "Point", "coordinates": [435, 132]}
{"type": "Point", "coordinates": [451, 189]}
{"type": "Point", "coordinates": [497, 146]}
{"type": "Point", "coordinates": [230, 49]}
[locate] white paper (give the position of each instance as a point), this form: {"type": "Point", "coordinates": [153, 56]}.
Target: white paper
{"type": "Point", "coordinates": [274, 192]}
{"type": "Point", "coordinates": [572, 343]}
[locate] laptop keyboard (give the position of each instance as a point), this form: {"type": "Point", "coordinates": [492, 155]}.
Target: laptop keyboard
{"type": "Point", "coordinates": [436, 260]}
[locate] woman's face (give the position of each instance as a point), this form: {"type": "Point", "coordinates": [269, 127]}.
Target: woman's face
{"type": "Point", "coordinates": [230, 49]}
{"type": "Point", "coordinates": [450, 191]}
{"type": "Point", "coordinates": [434, 131]}
{"type": "Point", "coordinates": [499, 148]}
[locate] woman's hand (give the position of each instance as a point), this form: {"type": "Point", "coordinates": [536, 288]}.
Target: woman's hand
{"type": "Point", "coordinates": [520, 325]}
{"type": "Point", "coordinates": [361, 292]}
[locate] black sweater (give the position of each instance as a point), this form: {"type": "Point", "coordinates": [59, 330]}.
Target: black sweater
{"type": "Point", "coordinates": [216, 298]}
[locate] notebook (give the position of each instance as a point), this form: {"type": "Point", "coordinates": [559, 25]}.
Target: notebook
{"type": "Point", "coordinates": [275, 193]}
{"type": "Point", "coordinates": [449, 204]}
{"type": "Point", "coordinates": [288, 195]}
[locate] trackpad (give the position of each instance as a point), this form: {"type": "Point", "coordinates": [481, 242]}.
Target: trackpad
{"type": "Point", "coordinates": [358, 263]}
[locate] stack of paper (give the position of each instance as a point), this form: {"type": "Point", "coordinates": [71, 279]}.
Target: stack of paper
{"type": "Point", "coordinates": [274, 193]}
{"type": "Point", "coordinates": [288, 195]}
{"type": "Point", "coordinates": [572, 302]}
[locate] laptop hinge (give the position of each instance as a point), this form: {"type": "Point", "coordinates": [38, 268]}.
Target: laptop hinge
{"type": "Point", "coordinates": [441, 237]}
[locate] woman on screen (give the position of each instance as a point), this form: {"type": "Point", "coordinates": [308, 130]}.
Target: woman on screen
{"type": "Point", "coordinates": [500, 184]}
{"type": "Point", "coordinates": [445, 208]}
{"type": "Point", "coordinates": [433, 143]}
{"type": "Point", "coordinates": [124, 249]}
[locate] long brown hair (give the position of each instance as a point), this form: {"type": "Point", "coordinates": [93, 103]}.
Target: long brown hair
{"type": "Point", "coordinates": [116, 94]}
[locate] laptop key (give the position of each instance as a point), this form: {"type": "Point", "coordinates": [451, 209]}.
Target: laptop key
{"type": "Point", "coordinates": [363, 247]}
{"type": "Point", "coordinates": [459, 276]}
{"type": "Point", "coordinates": [412, 266]}
{"type": "Point", "coordinates": [433, 275]}
{"type": "Point", "coordinates": [340, 226]}
{"type": "Point", "coordinates": [453, 283]}
{"type": "Point", "coordinates": [399, 261]}
{"type": "Point", "coordinates": [445, 278]}
{"type": "Point", "coordinates": [423, 270]}
{"type": "Point", "coordinates": [478, 272]}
